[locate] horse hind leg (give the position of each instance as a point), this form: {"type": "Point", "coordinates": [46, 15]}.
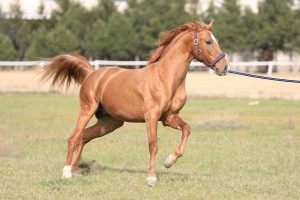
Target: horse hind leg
{"type": "Point", "coordinates": [105, 125]}
{"type": "Point", "coordinates": [87, 110]}
{"type": "Point", "coordinates": [175, 121]}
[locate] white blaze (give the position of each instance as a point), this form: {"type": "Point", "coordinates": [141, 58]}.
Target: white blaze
{"type": "Point", "coordinates": [213, 37]}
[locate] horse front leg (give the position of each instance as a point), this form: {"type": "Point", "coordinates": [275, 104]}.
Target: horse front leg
{"type": "Point", "coordinates": [151, 121]}
{"type": "Point", "coordinates": [176, 122]}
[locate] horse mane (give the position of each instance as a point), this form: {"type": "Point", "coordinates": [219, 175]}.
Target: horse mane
{"type": "Point", "coordinates": [168, 36]}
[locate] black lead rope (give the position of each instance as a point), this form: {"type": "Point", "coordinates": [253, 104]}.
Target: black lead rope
{"type": "Point", "coordinates": [264, 77]}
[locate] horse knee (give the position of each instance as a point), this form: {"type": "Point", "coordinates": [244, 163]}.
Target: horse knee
{"type": "Point", "coordinates": [153, 147]}
{"type": "Point", "coordinates": [153, 144]}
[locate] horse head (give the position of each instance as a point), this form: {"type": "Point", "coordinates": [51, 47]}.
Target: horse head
{"type": "Point", "coordinates": [208, 50]}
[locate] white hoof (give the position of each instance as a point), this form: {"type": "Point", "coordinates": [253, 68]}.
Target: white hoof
{"type": "Point", "coordinates": [151, 180]}
{"type": "Point", "coordinates": [67, 172]}
{"type": "Point", "coordinates": [170, 160]}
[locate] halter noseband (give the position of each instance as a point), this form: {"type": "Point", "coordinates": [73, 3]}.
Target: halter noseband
{"type": "Point", "coordinates": [199, 54]}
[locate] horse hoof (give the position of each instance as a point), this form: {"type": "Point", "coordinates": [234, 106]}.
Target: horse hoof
{"type": "Point", "coordinates": [151, 180]}
{"type": "Point", "coordinates": [67, 172]}
{"type": "Point", "coordinates": [169, 161]}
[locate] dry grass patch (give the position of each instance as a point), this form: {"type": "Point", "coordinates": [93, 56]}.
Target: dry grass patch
{"type": "Point", "coordinates": [223, 121]}
{"type": "Point", "coordinates": [290, 140]}
{"type": "Point", "coordinates": [8, 150]}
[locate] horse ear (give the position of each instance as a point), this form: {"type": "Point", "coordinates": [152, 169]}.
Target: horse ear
{"type": "Point", "coordinates": [209, 26]}
{"type": "Point", "coordinates": [196, 24]}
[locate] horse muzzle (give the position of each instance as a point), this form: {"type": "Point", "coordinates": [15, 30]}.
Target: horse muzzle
{"type": "Point", "coordinates": [220, 72]}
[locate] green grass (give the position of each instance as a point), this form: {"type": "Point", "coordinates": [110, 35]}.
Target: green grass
{"type": "Point", "coordinates": [235, 151]}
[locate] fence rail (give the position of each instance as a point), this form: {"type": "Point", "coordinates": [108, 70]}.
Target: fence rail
{"type": "Point", "coordinates": [98, 63]}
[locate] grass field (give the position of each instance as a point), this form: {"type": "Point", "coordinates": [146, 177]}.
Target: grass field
{"type": "Point", "coordinates": [235, 151]}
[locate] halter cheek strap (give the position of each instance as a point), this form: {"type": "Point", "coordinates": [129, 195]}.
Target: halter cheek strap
{"type": "Point", "coordinates": [199, 54]}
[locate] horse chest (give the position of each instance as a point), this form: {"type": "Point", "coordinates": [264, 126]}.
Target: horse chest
{"type": "Point", "coordinates": [176, 103]}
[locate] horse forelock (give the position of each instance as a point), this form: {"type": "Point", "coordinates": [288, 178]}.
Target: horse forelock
{"type": "Point", "coordinates": [168, 36]}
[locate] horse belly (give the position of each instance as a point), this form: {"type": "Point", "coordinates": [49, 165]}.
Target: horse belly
{"type": "Point", "coordinates": [122, 100]}
{"type": "Point", "coordinates": [121, 108]}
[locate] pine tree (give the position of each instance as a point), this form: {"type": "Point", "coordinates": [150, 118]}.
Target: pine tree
{"type": "Point", "coordinates": [104, 10]}
{"type": "Point", "coordinates": [39, 45]}
{"type": "Point", "coordinates": [150, 17]}
{"type": "Point", "coordinates": [296, 31]}
{"type": "Point", "coordinates": [19, 30]}
{"type": "Point", "coordinates": [275, 25]}
{"type": "Point", "coordinates": [111, 40]}
{"type": "Point", "coordinates": [229, 27]}
{"type": "Point", "coordinates": [210, 14]}
{"type": "Point", "coordinates": [7, 50]}
{"type": "Point", "coordinates": [248, 46]}
{"type": "Point", "coordinates": [52, 43]}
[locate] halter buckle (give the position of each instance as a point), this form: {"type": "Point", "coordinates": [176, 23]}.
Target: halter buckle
{"type": "Point", "coordinates": [196, 42]}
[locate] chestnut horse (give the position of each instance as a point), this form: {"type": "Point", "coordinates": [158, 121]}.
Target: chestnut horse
{"type": "Point", "coordinates": [151, 94]}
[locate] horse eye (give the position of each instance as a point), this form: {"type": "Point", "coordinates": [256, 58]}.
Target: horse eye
{"type": "Point", "coordinates": [208, 42]}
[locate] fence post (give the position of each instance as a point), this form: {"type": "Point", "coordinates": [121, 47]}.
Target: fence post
{"type": "Point", "coordinates": [270, 68]}
{"type": "Point", "coordinates": [96, 63]}
{"type": "Point", "coordinates": [42, 65]}
{"type": "Point", "coordinates": [137, 58]}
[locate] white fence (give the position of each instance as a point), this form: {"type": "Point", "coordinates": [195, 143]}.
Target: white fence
{"type": "Point", "coordinates": [98, 63]}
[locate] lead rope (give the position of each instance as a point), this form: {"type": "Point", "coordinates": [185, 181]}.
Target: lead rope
{"type": "Point", "coordinates": [264, 77]}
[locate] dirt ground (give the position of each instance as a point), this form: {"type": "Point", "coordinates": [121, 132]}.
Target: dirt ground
{"type": "Point", "coordinates": [197, 84]}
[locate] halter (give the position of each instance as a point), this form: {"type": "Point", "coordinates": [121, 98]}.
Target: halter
{"type": "Point", "coordinates": [199, 54]}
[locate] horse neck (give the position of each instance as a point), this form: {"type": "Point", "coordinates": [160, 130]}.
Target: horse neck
{"type": "Point", "coordinates": [176, 60]}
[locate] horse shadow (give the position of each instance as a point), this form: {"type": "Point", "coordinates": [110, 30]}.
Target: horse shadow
{"type": "Point", "coordinates": [94, 168]}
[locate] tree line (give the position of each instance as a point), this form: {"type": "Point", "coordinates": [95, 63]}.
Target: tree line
{"type": "Point", "coordinates": [104, 33]}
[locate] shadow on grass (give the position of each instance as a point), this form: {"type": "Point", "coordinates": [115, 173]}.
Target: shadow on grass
{"type": "Point", "coordinates": [81, 180]}
{"type": "Point", "coordinates": [92, 167]}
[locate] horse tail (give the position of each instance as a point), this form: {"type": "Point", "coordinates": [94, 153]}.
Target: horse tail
{"type": "Point", "coordinates": [64, 69]}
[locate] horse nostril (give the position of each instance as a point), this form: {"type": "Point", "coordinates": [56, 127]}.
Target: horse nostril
{"type": "Point", "coordinates": [218, 71]}
{"type": "Point", "coordinates": [225, 68]}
